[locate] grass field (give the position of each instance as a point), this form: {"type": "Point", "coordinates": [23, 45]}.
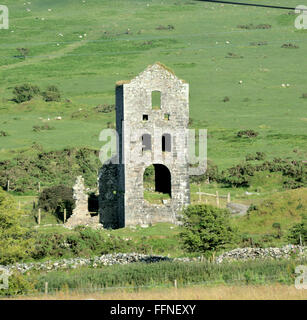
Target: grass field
{"type": "Point", "coordinates": [206, 48]}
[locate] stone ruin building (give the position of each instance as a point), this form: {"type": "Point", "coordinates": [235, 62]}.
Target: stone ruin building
{"type": "Point", "coordinates": [81, 214]}
{"type": "Point", "coordinates": [152, 115]}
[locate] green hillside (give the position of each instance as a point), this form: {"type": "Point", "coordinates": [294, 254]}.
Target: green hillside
{"type": "Point", "coordinates": [212, 46]}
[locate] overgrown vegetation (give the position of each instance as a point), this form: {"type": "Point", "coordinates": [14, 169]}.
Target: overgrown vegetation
{"type": "Point", "coordinates": [294, 173]}
{"type": "Point", "coordinates": [49, 168]}
{"type": "Point", "coordinates": [164, 273]}
{"type": "Point", "coordinates": [15, 241]}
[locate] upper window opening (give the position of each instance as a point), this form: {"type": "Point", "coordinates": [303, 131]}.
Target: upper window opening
{"type": "Point", "coordinates": [166, 142]}
{"type": "Point", "coordinates": [145, 117]}
{"type": "Point", "coordinates": [156, 100]}
{"type": "Point", "coordinates": [146, 142]}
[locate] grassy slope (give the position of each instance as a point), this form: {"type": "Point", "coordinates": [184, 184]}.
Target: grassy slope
{"type": "Point", "coordinates": [284, 208]}
{"type": "Point", "coordinates": [86, 70]}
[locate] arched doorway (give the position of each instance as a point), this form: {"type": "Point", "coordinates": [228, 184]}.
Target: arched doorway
{"type": "Point", "coordinates": [157, 183]}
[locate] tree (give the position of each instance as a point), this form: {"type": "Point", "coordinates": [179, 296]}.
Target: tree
{"type": "Point", "coordinates": [57, 198]}
{"type": "Point", "coordinates": [206, 228]}
{"type": "Point", "coordinates": [15, 241]}
{"type": "Point", "coordinates": [52, 93]}
{"type": "Point", "coordinates": [25, 92]}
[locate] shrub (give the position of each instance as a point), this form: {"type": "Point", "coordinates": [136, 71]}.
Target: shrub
{"type": "Point", "coordinates": [169, 27]}
{"type": "Point", "coordinates": [106, 108]}
{"type": "Point", "coordinates": [49, 245]}
{"type": "Point", "coordinates": [247, 133]}
{"type": "Point", "coordinates": [259, 43]}
{"type": "Point", "coordinates": [277, 226]}
{"type": "Point", "coordinates": [3, 134]}
{"type": "Point", "coordinates": [256, 156]}
{"type": "Point", "coordinates": [23, 52]}
{"type": "Point", "coordinates": [290, 46]}
{"type": "Point", "coordinates": [18, 285]}
{"type": "Point", "coordinates": [212, 173]}
{"type": "Point", "coordinates": [25, 92]}
{"type": "Point", "coordinates": [15, 242]}
{"type": "Point", "coordinates": [252, 26]}
{"type": "Point", "coordinates": [52, 93]}
{"type": "Point", "coordinates": [233, 55]}
{"type": "Point", "coordinates": [206, 228]}
{"type": "Point", "coordinates": [40, 128]}
{"type": "Point", "coordinates": [56, 199]}
{"type": "Point", "coordinates": [298, 232]}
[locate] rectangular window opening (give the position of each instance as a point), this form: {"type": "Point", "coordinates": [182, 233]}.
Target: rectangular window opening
{"type": "Point", "coordinates": [156, 99]}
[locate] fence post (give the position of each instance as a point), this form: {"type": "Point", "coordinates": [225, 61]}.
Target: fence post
{"type": "Point", "coordinates": [46, 287]}
{"type": "Point", "coordinates": [228, 197]}
{"type": "Point", "coordinates": [19, 207]}
{"type": "Point", "coordinates": [199, 195]}
{"type": "Point", "coordinates": [217, 199]}
{"type": "Point", "coordinates": [64, 215]}
{"type": "Point", "coordinates": [175, 283]}
{"type": "Point", "coordinates": [39, 187]}
{"type": "Point", "coordinates": [8, 185]}
{"type": "Point", "coordinates": [39, 216]}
